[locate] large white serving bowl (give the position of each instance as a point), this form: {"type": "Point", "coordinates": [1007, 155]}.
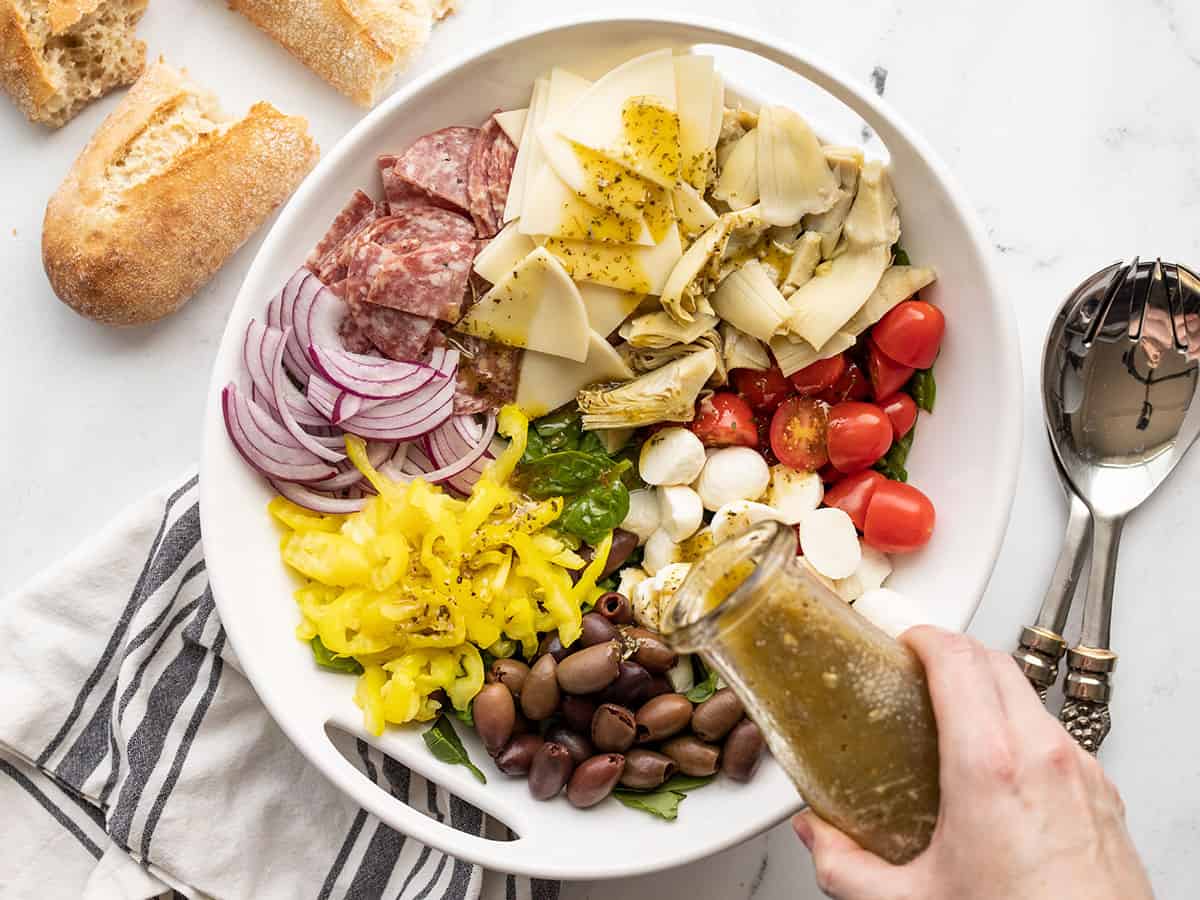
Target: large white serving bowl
{"type": "Point", "coordinates": [965, 457]}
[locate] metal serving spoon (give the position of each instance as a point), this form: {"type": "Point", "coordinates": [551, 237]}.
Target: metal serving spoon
{"type": "Point", "coordinates": [1119, 377]}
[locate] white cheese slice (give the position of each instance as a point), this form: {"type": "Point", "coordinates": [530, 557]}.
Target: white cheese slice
{"type": "Point", "coordinates": [595, 178]}
{"type": "Point", "coordinates": [535, 306]}
{"type": "Point", "coordinates": [693, 210]}
{"type": "Point", "coordinates": [748, 299]}
{"type": "Point", "coordinates": [717, 114]}
{"type": "Point", "coordinates": [553, 209]}
{"type": "Point", "coordinates": [527, 149]}
{"type": "Point", "coordinates": [794, 178]}
{"type": "Point", "coordinates": [512, 123]}
{"type": "Point", "coordinates": [695, 84]}
{"type": "Point", "coordinates": [503, 253]}
{"type": "Point", "coordinates": [830, 543]}
{"type": "Point", "coordinates": [607, 307]}
{"type": "Point", "coordinates": [547, 381]}
{"type": "Point", "coordinates": [642, 270]}
{"type": "Point", "coordinates": [825, 303]}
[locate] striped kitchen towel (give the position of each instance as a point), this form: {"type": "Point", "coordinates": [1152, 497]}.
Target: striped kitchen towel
{"type": "Point", "coordinates": [137, 762]}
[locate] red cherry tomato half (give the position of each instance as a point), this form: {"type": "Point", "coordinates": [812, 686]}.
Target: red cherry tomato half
{"type": "Point", "coordinates": [820, 376]}
{"type": "Point", "coordinates": [829, 474]}
{"type": "Point", "coordinates": [902, 410]}
{"type": "Point", "coordinates": [798, 434]}
{"type": "Point", "coordinates": [764, 391]}
{"type": "Point", "coordinates": [899, 518]}
{"type": "Point", "coordinates": [725, 420]}
{"type": "Point", "coordinates": [859, 433]}
{"type": "Point", "coordinates": [887, 375]}
{"type": "Point", "coordinates": [852, 385]}
{"type": "Point", "coordinates": [911, 333]}
{"type": "Point", "coordinates": [853, 494]}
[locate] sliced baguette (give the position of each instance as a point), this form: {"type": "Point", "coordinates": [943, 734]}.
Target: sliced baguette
{"type": "Point", "coordinates": [355, 45]}
{"type": "Point", "coordinates": [166, 190]}
{"type": "Point", "coordinates": [57, 56]}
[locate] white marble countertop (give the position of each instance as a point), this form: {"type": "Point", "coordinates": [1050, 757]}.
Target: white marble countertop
{"type": "Point", "coordinates": [1067, 122]}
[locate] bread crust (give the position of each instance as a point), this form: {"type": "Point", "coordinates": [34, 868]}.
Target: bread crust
{"type": "Point", "coordinates": [138, 256]}
{"type": "Point", "coordinates": [355, 45]}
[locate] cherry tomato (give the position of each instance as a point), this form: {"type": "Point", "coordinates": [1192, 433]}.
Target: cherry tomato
{"type": "Point", "coordinates": [764, 440]}
{"type": "Point", "coordinates": [764, 391]}
{"type": "Point", "coordinates": [820, 376]}
{"type": "Point", "coordinates": [911, 333]}
{"type": "Point", "coordinates": [887, 375]}
{"type": "Point", "coordinates": [853, 385]}
{"type": "Point", "coordinates": [798, 434]}
{"type": "Point", "coordinates": [859, 433]}
{"type": "Point", "coordinates": [899, 518]}
{"type": "Point", "coordinates": [725, 420]}
{"type": "Point", "coordinates": [902, 410]}
{"type": "Point", "coordinates": [829, 474]}
{"type": "Point", "coordinates": [852, 495]}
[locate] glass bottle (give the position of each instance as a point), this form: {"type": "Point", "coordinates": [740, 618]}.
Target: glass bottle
{"type": "Point", "coordinates": [844, 708]}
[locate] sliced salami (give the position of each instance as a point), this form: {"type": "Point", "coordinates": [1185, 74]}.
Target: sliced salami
{"type": "Point", "coordinates": [354, 337]}
{"type": "Point", "coordinates": [359, 207]}
{"type": "Point", "coordinates": [429, 280]}
{"type": "Point", "coordinates": [479, 195]}
{"type": "Point", "coordinates": [487, 375]}
{"type": "Point", "coordinates": [437, 164]}
{"type": "Point", "coordinates": [417, 225]}
{"type": "Point", "coordinates": [500, 163]}
{"type": "Point", "coordinates": [332, 267]}
{"type": "Point", "coordinates": [397, 335]}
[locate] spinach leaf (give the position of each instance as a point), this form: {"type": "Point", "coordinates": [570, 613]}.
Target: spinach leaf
{"type": "Point", "coordinates": [664, 801]}
{"type": "Point", "coordinates": [535, 447]}
{"type": "Point", "coordinates": [326, 659]}
{"type": "Point", "coordinates": [591, 444]}
{"type": "Point", "coordinates": [892, 464]}
{"type": "Point", "coordinates": [443, 742]}
{"type": "Point", "coordinates": [561, 474]}
{"type": "Point", "coordinates": [596, 511]}
{"type": "Point", "coordinates": [684, 783]}
{"type": "Point", "coordinates": [923, 389]}
{"type": "Point", "coordinates": [703, 689]}
{"type": "Point", "coordinates": [900, 256]}
{"type": "Point", "coordinates": [560, 430]}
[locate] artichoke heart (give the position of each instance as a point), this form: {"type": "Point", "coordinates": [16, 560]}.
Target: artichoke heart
{"type": "Point", "coordinates": [795, 354]}
{"type": "Point", "coordinates": [698, 270]}
{"type": "Point", "coordinates": [794, 178]}
{"type": "Point", "coordinates": [664, 395]}
{"type": "Point", "coordinates": [749, 300]}
{"type": "Point", "coordinates": [831, 298]}
{"type": "Point", "coordinates": [742, 351]}
{"type": "Point", "coordinates": [873, 219]}
{"type": "Point", "coordinates": [806, 254]}
{"type": "Point", "coordinates": [737, 183]}
{"type": "Point", "coordinates": [897, 284]}
{"type": "Point", "coordinates": [734, 125]}
{"type": "Point", "coordinates": [846, 163]}
{"type": "Point", "coordinates": [647, 359]}
{"type": "Point", "coordinates": [657, 330]}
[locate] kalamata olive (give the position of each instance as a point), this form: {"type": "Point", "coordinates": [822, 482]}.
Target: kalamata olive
{"type": "Point", "coordinates": [743, 751]}
{"type": "Point", "coordinates": [441, 698]}
{"type": "Point", "coordinates": [692, 755]}
{"type": "Point", "coordinates": [517, 757]}
{"type": "Point", "coordinates": [509, 672]}
{"type": "Point", "coordinates": [550, 644]}
{"type": "Point", "coordinates": [663, 717]}
{"type": "Point", "coordinates": [615, 607]}
{"type": "Point", "coordinates": [495, 714]}
{"type": "Point", "coordinates": [577, 713]}
{"type": "Point", "coordinates": [645, 769]}
{"type": "Point", "coordinates": [658, 685]}
{"type": "Point", "coordinates": [595, 629]}
{"type": "Point", "coordinates": [595, 779]}
{"type": "Point", "coordinates": [613, 728]}
{"type": "Point", "coordinates": [591, 669]}
{"type": "Point", "coordinates": [714, 718]}
{"type": "Point", "coordinates": [539, 695]}
{"type": "Point", "coordinates": [577, 745]}
{"type": "Point", "coordinates": [623, 544]}
{"type": "Point", "coordinates": [550, 770]}
{"type": "Point", "coordinates": [650, 650]}
{"type": "Point", "coordinates": [633, 681]}
{"type": "Point", "coordinates": [521, 725]}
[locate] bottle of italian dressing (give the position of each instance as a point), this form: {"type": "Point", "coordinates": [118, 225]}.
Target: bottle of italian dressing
{"type": "Point", "coordinates": [844, 708]}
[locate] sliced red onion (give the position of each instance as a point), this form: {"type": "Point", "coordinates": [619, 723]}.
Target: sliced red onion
{"type": "Point", "coordinates": [318, 315]}
{"type": "Point", "coordinates": [373, 377]}
{"type": "Point", "coordinates": [308, 441]}
{"type": "Point", "coordinates": [258, 350]}
{"type": "Point", "coordinates": [450, 453]}
{"type": "Point", "coordinates": [465, 480]}
{"type": "Point", "coordinates": [273, 310]}
{"type": "Point", "coordinates": [260, 448]}
{"type": "Point", "coordinates": [411, 416]}
{"type": "Point", "coordinates": [321, 503]}
{"type": "Point", "coordinates": [295, 358]}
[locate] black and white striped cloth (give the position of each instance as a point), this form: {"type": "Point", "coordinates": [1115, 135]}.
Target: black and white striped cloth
{"type": "Point", "coordinates": [137, 762]}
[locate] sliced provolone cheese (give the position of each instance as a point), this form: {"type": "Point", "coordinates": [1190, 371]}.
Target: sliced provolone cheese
{"type": "Point", "coordinates": [642, 270]}
{"type": "Point", "coordinates": [695, 84]}
{"type": "Point", "coordinates": [553, 209]}
{"type": "Point", "coordinates": [536, 306]}
{"type": "Point", "coordinates": [512, 123]}
{"type": "Point", "coordinates": [527, 149]}
{"type": "Point", "coordinates": [594, 177]}
{"type": "Point", "coordinates": [547, 382]}
{"type": "Point", "coordinates": [607, 307]}
{"type": "Point", "coordinates": [830, 299]}
{"type": "Point", "coordinates": [503, 253]}
{"type": "Point", "coordinates": [793, 177]}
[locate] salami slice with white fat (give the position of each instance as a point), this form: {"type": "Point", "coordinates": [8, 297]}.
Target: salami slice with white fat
{"type": "Point", "coordinates": [396, 334]}
{"type": "Point", "coordinates": [359, 207]}
{"type": "Point", "coordinates": [500, 163]}
{"type": "Point", "coordinates": [428, 280]}
{"type": "Point", "coordinates": [437, 164]}
{"type": "Point", "coordinates": [479, 194]}
{"type": "Point", "coordinates": [332, 267]}
{"type": "Point", "coordinates": [418, 225]}
{"type": "Point", "coordinates": [354, 337]}
{"type": "Point", "coordinates": [487, 375]}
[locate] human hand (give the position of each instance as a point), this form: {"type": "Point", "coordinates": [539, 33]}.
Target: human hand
{"type": "Point", "coordinates": [1024, 811]}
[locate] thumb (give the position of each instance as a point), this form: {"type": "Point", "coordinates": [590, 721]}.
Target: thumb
{"type": "Point", "coordinates": [844, 870]}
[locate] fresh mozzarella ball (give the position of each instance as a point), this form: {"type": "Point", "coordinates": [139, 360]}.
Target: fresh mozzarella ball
{"type": "Point", "coordinates": [681, 675]}
{"type": "Point", "coordinates": [738, 517]}
{"type": "Point", "coordinates": [794, 493]}
{"type": "Point", "coordinates": [630, 579]}
{"type": "Point", "coordinates": [642, 518]}
{"type": "Point", "coordinates": [679, 511]}
{"type": "Point", "coordinates": [660, 551]}
{"type": "Point", "coordinates": [671, 456]}
{"type": "Point", "coordinates": [830, 543]}
{"type": "Point", "coordinates": [732, 473]}
{"type": "Point", "coordinates": [889, 610]}
{"type": "Point", "coordinates": [870, 574]}
{"type": "Point", "coordinates": [650, 599]}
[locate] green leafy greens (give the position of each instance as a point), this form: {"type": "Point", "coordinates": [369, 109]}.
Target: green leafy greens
{"type": "Point", "coordinates": [664, 801]}
{"type": "Point", "coordinates": [892, 464]}
{"type": "Point", "coordinates": [443, 742]}
{"type": "Point", "coordinates": [326, 659]}
{"type": "Point", "coordinates": [923, 389]}
{"type": "Point", "coordinates": [703, 689]}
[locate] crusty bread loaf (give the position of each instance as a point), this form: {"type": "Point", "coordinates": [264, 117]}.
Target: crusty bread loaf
{"type": "Point", "coordinates": [355, 45]}
{"type": "Point", "coordinates": [57, 56]}
{"type": "Point", "coordinates": [166, 190]}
